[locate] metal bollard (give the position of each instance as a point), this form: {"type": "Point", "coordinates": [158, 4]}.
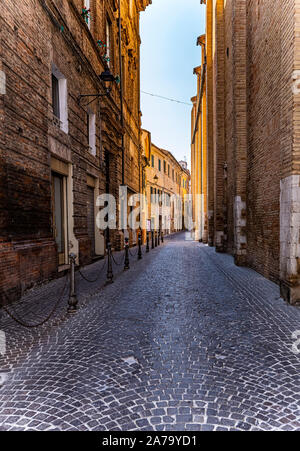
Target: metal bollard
{"type": "Point", "coordinates": [73, 301]}
{"type": "Point", "coordinates": [152, 239]}
{"type": "Point", "coordinates": [158, 239]}
{"type": "Point", "coordinates": [147, 246]}
{"type": "Point", "coordinates": [140, 255]}
{"type": "Point", "coordinates": [110, 275]}
{"type": "Point", "coordinates": [155, 239]}
{"type": "Point", "coordinates": [162, 237]}
{"type": "Point", "coordinates": [126, 262]}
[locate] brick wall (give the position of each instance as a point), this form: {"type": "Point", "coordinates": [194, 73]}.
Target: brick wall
{"type": "Point", "coordinates": [264, 22]}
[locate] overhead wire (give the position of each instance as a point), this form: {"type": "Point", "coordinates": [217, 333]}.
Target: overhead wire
{"type": "Point", "coordinates": [166, 98]}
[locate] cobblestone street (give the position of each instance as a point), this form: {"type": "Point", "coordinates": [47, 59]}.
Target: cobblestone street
{"type": "Point", "coordinates": [185, 340]}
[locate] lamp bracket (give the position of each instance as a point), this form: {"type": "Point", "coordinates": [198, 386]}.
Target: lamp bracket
{"type": "Point", "coordinates": [95, 96]}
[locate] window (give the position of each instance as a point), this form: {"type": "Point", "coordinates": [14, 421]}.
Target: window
{"type": "Point", "coordinates": [152, 161]}
{"type": "Point", "coordinates": [55, 96]}
{"type": "Point", "coordinates": [60, 98]}
{"type": "Point", "coordinates": [168, 170]}
{"type": "Point", "coordinates": [159, 165]}
{"type": "Point", "coordinates": [173, 176]}
{"type": "Point", "coordinates": [165, 167]}
{"type": "Point", "coordinates": [91, 132]}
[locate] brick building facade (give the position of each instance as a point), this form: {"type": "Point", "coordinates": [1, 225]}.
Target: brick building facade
{"type": "Point", "coordinates": [253, 57]}
{"type": "Point", "coordinates": [58, 151]}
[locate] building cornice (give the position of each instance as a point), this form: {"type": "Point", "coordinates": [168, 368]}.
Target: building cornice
{"type": "Point", "coordinates": [142, 4]}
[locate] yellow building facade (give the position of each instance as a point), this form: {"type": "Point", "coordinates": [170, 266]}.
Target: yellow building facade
{"type": "Point", "coordinates": [199, 184]}
{"type": "Point", "coordinates": [164, 177]}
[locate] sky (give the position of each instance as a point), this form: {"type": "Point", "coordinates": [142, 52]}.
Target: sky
{"type": "Point", "coordinates": [169, 31]}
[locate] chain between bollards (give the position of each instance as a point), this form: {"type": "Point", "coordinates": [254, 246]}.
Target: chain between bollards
{"type": "Point", "coordinates": [73, 301]}
{"type": "Point", "coordinates": [23, 323]}
{"type": "Point", "coordinates": [110, 275]}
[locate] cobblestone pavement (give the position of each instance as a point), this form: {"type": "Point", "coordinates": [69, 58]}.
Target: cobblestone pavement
{"type": "Point", "coordinates": [185, 340]}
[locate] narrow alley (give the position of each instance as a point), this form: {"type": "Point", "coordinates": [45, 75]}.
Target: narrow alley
{"type": "Point", "coordinates": [185, 340]}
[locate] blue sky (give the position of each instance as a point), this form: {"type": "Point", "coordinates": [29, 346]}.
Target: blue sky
{"type": "Point", "coordinates": [169, 31]}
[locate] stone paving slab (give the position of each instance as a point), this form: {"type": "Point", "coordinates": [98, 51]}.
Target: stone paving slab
{"type": "Point", "coordinates": [185, 340]}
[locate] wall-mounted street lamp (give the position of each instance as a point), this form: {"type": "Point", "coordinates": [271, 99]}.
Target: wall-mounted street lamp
{"type": "Point", "coordinates": [107, 76]}
{"type": "Point", "coordinates": [155, 178]}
